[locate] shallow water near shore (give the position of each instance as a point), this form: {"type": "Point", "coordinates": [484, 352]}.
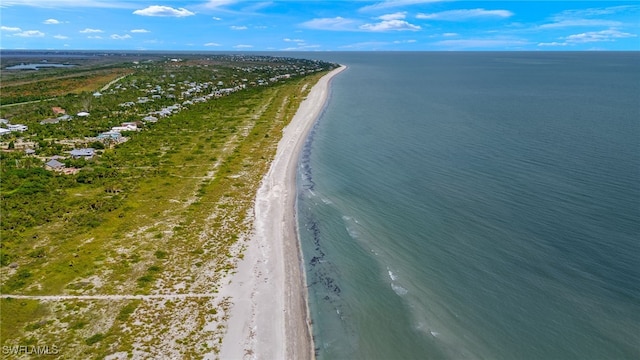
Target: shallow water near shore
{"type": "Point", "coordinates": [475, 205]}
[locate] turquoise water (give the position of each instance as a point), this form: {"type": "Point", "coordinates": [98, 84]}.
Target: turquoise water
{"type": "Point", "coordinates": [475, 206]}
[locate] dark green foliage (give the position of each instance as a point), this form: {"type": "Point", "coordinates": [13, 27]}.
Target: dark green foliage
{"type": "Point", "coordinates": [94, 339]}
{"type": "Point", "coordinates": [145, 280]}
{"type": "Point", "coordinates": [17, 281]}
{"type": "Point", "coordinates": [127, 310]}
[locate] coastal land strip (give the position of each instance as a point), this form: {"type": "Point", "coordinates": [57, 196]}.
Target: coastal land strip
{"type": "Point", "coordinates": [135, 253]}
{"type": "Point", "coordinates": [269, 318]}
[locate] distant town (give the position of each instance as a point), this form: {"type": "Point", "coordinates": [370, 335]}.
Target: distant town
{"type": "Point", "coordinates": [53, 127]}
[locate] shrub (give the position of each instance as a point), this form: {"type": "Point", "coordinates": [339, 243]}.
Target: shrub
{"type": "Point", "coordinates": [94, 339]}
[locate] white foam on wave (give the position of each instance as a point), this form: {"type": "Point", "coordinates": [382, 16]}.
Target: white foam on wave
{"type": "Point", "coordinates": [392, 276]}
{"type": "Point", "coordinates": [350, 229]}
{"type": "Point", "coordinates": [399, 290]}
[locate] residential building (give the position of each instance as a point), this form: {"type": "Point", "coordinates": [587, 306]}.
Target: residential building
{"type": "Point", "coordinates": [85, 153]}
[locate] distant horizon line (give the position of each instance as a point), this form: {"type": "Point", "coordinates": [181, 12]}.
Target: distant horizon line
{"type": "Point", "coordinates": [303, 51]}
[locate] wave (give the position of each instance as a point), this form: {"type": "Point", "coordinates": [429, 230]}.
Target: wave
{"type": "Point", "coordinates": [399, 290]}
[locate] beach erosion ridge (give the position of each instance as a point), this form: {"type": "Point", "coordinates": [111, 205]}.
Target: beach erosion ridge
{"type": "Point", "coordinates": [269, 317]}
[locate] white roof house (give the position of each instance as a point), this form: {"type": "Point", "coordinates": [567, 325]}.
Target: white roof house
{"type": "Point", "coordinates": [127, 127]}
{"type": "Point", "coordinates": [17, 127]}
{"type": "Point", "coordinates": [113, 135]}
{"type": "Point", "coordinates": [82, 153]}
{"type": "Point", "coordinates": [83, 114]}
{"type": "Point", "coordinates": [4, 131]}
{"type": "Point", "coordinates": [150, 118]}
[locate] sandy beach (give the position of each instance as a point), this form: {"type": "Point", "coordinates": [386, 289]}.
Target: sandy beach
{"type": "Point", "coordinates": [269, 317]}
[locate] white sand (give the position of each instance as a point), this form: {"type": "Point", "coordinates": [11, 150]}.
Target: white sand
{"type": "Point", "coordinates": [269, 318]}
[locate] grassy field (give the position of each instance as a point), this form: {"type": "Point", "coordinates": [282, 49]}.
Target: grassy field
{"type": "Point", "coordinates": [150, 245]}
{"type": "Point", "coordinates": [23, 89]}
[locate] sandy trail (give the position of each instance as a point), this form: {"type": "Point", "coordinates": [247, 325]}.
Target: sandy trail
{"type": "Point", "coordinates": [106, 297]}
{"type": "Point", "coordinates": [269, 318]}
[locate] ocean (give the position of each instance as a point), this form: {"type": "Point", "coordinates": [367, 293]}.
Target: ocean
{"type": "Point", "coordinates": [475, 205]}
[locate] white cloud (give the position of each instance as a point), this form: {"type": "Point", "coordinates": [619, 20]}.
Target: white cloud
{"type": "Point", "coordinates": [582, 13]}
{"type": "Point", "coordinates": [450, 34]}
{"type": "Point", "coordinates": [554, 44]}
{"type": "Point", "coordinates": [390, 25]}
{"type": "Point", "coordinates": [238, 27]}
{"type": "Point", "coordinates": [9, 28]}
{"type": "Point", "coordinates": [61, 37]}
{"type": "Point", "coordinates": [300, 41]}
{"type": "Point", "coordinates": [396, 3]}
{"type": "Point", "coordinates": [51, 22]}
{"type": "Point", "coordinates": [405, 41]}
{"type": "Point", "coordinates": [366, 45]}
{"type": "Point", "coordinates": [160, 10]}
{"type": "Point", "coordinates": [481, 43]}
{"type": "Point", "coordinates": [591, 17]}
{"type": "Point", "coordinates": [335, 24]}
{"type": "Point", "coordinates": [120, 37]}
{"type": "Point", "coordinates": [89, 31]}
{"type": "Point", "coordinates": [219, 3]}
{"type": "Point", "coordinates": [580, 22]}
{"type": "Point", "coordinates": [466, 14]}
{"type": "Point", "coordinates": [212, 44]}
{"type": "Point", "coordinates": [68, 3]}
{"type": "Point", "coordinates": [140, 31]}
{"type": "Point", "coordinates": [242, 46]}
{"type": "Point", "coordinates": [94, 37]}
{"type": "Point", "coordinates": [30, 33]}
{"type": "Point", "coordinates": [394, 16]}
{"type": "Point", "coordinates": [301, 47]}
{"type": "Point", "coordinates": [598, 36]}
{"type": "Point", "coordinates": [216, 18]}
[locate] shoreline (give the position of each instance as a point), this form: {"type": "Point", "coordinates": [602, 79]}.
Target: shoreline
{"type": "Point", "coordinates": [269, 317]}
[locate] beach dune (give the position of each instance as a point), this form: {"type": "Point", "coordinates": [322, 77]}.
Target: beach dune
{"type": "Point", "coordinates": [269, 315]}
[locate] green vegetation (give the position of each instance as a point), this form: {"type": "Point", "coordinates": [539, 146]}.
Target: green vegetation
{"type": "Point", "coordinates": [165, 212]}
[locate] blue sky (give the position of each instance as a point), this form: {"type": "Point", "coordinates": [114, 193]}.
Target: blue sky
{"type": "Point", "coordinates": [223, 25]}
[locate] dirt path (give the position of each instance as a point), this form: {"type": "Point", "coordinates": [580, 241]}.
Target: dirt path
{"type": "Point", "coordinates": [106, 87]}
{"type": "Point", "coordinates": [106, 297]}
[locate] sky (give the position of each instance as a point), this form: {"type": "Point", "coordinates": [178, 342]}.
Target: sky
{"type": "Point", "coordinates": [288, 25]}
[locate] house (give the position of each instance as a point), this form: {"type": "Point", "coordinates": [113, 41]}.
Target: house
{"type": "Point", "coordinates": [97, 94]}
{"type": "Point", "coordinates": [58, 110]}
{"type": "Point", "coordinates": [49, 121]}
{"type": "Point", "coordinates": [124, 128]}
{"type": "Point", "coordinates": [83, 114]}
{"type": "Point", "coordinates": [4, 121]}
{"type": "Point", "coordinates": [17, 127]}
{"type": "Point", "coordinates": [133, 124]}
{"type": "Point", "coordinates": [150, 118]}
{"type": "Point", "coordinates": [86, 153]}
{"type": "Point", "coordinates": [29, 152]}
{"type": "Point", "coordinates": [110, 135]}
{"type": "Point", "coordinates": [54, 165]}
{"type": "Point", "coordinates": [4, 131]}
